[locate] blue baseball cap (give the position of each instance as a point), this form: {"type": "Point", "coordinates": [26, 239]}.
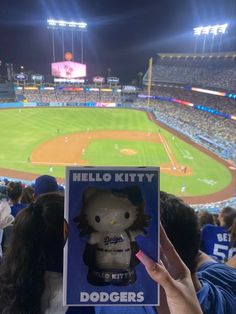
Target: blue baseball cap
{"type": "Point", "coordinates": [45, 184]}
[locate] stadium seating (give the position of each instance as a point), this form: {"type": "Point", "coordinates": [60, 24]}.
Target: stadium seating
{"type": "Point", "coordinates": [209, 70]}
{"type": "Point", "coordinates": [57, 95]}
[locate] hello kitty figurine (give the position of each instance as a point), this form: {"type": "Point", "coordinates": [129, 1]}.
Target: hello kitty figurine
{"type": "Point", "coordinates": [112, 219]}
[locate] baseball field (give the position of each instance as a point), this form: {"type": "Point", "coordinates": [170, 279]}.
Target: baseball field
{"type": "Point", "coordinates": [43, 140]}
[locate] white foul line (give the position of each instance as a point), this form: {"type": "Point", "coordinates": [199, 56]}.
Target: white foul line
{"type": "Point", "coordinates": [167, 150]}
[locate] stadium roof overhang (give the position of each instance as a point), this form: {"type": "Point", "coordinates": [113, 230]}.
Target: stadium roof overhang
{"type": "Point", "coordinates": [215, 55]}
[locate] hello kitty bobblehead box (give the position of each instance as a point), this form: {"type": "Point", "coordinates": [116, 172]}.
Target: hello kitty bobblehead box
{"type": "Point", "coordinates": [110, 214]}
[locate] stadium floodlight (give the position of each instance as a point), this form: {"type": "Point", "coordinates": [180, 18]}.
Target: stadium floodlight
{"type": "Point", "coordinates": [197, 31]}
{"type": "Point", "coordinates": [65, 24]}
{"type": "Point", "coordinates": [209, 32]}
{"type": "Point", "coordinates": [206, 30]}
{"type": "Point", "coordinates": [210, 29]}
{"type": "Point", "coordinates": [51, 22]}
{"type": "Point", "coordinates": [222, 28]}
{"type": "Point", "coordinates": [72, 24]}
{"type": "Point", "coordinates": [82, 25]}
{"type": "Point", "coordinates": [62, 25]}
{"type": "Point", "coordinates": [214, 29]}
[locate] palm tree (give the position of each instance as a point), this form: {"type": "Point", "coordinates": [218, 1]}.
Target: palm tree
{"type": "Point", "coordinates": [140, 77]}
{"type": "Point", "coordinates": [108, 72]}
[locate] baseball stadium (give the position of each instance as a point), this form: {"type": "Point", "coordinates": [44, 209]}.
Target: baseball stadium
{"type": "Point", "coordinates": [181, 119]}
{"type": "Point", "coordinates": [118, 157]}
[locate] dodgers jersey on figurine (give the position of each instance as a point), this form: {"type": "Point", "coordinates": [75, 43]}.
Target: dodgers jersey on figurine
{"type": "Point", "coordinates": [112, 219]}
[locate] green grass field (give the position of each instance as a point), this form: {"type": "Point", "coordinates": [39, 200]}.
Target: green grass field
{"type": "Point", "coordinates": [23, 130]}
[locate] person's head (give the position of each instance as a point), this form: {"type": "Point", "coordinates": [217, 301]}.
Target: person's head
{"type": "Point", "coordinates": [182, 227]}
{"type": "Point", "coordinates": [45, 184]}
{"type": "Point", "coordinates": [27, 195]}
{"type": "Point", "coordinates": [205, 218]}
{"type": "Point", "coordinates": [36, 246]}
{"type": "Point", "coordinates": [228, 220]}
{"type": "Point", "coordinates": [225, 216]}
{"type": "Point", "coordinates": [216, 219]}
{"type": "Point", "coordinates": [14, 190]}
{"type": "Point", "coordinates": [233, 230]}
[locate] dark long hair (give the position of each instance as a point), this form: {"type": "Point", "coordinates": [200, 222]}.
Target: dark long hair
{"type": "Point", "coordinates": [233, 232]}
{"type": "Point", "coordinates": [27, 195]}
{"type": "Point", "coordinates": [229, 217]}
{"type": "Point", "coordinates": [36, 246]}
{"type": "Point", "coordinates": [182, 227]}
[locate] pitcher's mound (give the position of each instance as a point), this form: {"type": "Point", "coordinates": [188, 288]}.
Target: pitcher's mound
{"type": "Point", "coordinates": [128, 151]}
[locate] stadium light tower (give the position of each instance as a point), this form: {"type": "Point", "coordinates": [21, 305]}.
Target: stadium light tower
{"type": "Point", "coordinates": [209, 31]}
{"type": "Point", "coordinates": [222, 30]}
{"type": "Point", "coordinates": [197, 32]}
{"type": "Point", "coordinates": [72, 26]}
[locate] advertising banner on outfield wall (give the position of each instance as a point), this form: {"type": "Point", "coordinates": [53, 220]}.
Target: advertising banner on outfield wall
{"type": "Point", "coordinates": [129, 89]}
{"type": "Point", "coordinates": [99, 79]}
{"type": "Point", "coordinates": [113, 80]}
{"type": "Point", "coordinates": [37, 77]}
{"type": "Point", "coordinates": [21, 77]}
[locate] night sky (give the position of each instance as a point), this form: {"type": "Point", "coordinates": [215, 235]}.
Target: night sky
{"type": "Point", "coordinates": [122, 34]}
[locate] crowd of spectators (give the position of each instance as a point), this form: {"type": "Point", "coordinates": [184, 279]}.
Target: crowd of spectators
{"type": "Point", "coordinates": [215, 207]}
{"type": "Point", "coordinates": [31, 266]}
{"type": "Point", "coordinates": [71, 97]}
{"type": "Point", "coordinates": [19, 195]}
{"type": "Point", "coordinates": [202, 71]}
{"type": "Point", "coordinates": [215, 132]}
{"type": "Point", "coordinates": [219, 103]}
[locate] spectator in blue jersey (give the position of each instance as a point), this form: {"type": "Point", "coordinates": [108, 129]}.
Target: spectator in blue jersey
{"type": "Point", "coordinates": [218, 241]}
{"type": "Point", "coordinates": [14, 190]}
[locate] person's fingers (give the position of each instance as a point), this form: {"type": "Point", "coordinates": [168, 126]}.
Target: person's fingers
{"type": "Point", "coordinates": [157, 271]}
{"type": "Point", "coordinates": [145, 260]}
{"type": "Point", "coordinates": [163, 258]}
{"type": "Point", "coordinates": [180, 293]}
